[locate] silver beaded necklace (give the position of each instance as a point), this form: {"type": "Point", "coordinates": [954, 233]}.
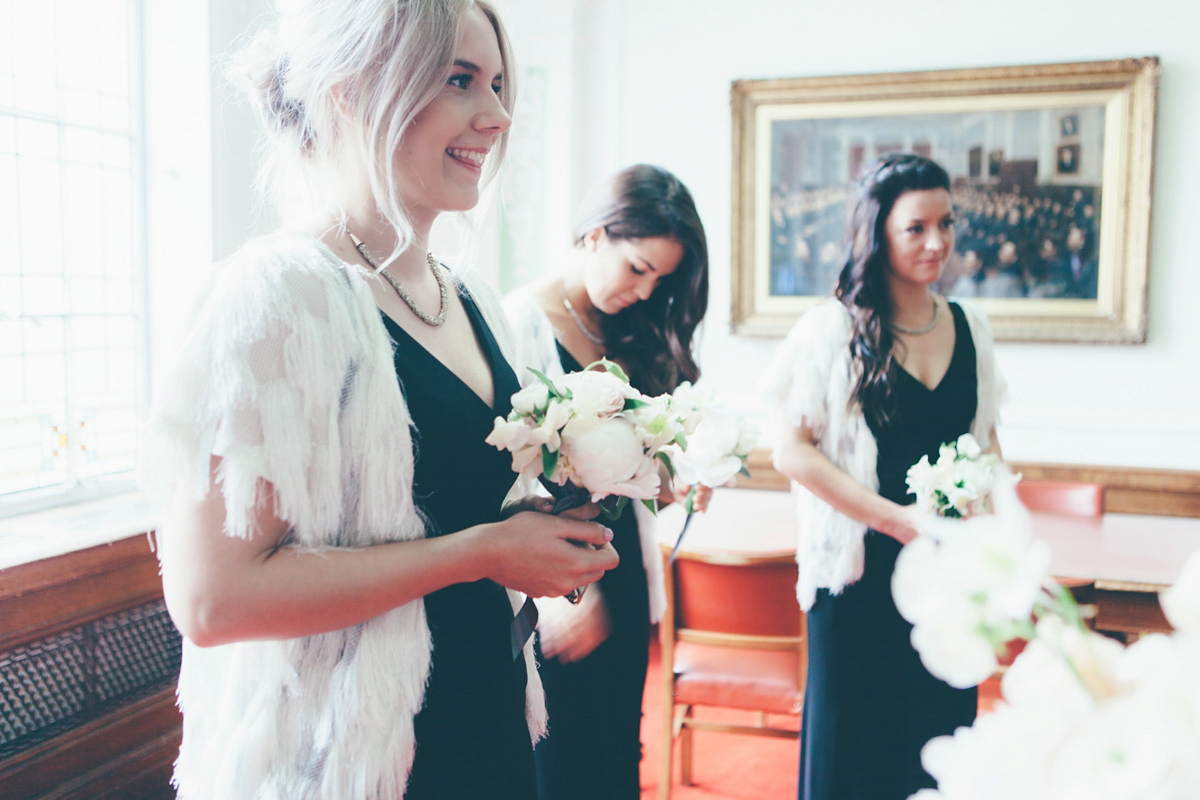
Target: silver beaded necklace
{"type": "Point", "coordinates": [591, 337]}
{"type": "Point", "coordinates": [926, 328]}
{"type": "Point", "coordinates": [444, 303]}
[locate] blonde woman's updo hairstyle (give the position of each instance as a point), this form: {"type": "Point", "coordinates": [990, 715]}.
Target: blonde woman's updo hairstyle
{"type": "Point", "coordinates": [336, 84]}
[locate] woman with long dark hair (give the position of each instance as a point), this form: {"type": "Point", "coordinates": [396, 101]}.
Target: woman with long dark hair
{"type": "Point", "coordinates": [633, 290]}
{"type": "Point", "coordinates": [868, 382]}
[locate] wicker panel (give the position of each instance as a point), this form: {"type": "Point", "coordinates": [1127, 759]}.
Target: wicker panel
{"type": "Point", "coordinates": [63, 681]}
{"type": "Point", "coordinates": [41, 684]}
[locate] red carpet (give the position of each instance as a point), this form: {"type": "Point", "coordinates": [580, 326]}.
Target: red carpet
{"type": "Point", "coordinates": [725, 766]}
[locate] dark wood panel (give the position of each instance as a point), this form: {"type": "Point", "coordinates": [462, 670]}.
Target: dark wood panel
{"type": "Point", "coordinates": [1127, 490]}
{"type": "Point", "coordinates": [143, 774]}
{"type": "Point", "coordinates": [1129, 612]}
{"type": "Point", "coordinates": [45, 597]}
{"type": "Point", "coordinates": [127, 746]}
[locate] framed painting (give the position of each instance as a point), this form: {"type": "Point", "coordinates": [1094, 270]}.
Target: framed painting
{"type": "Point", "coordinates": [1051, 170]}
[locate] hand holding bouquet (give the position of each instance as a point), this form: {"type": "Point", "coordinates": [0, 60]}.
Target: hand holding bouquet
{"type": "Point", "coordinates": [717, 449]}
{"type": "Point", "coordinates": [590, 435]}
{"type": "Point", "coordinates": [718, 446]}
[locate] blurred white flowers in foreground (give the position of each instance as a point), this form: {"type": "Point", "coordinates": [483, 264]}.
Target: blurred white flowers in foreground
{"type": "Point", "coordinates": [1082, 716]}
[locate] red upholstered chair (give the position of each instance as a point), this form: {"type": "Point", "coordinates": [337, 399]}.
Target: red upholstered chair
{"type": "Point", "coordinates": [1070, 498]}
{"type": "Point", "coordinates": [1073, 498]}
{"type": "Point", "coordinates": [732, 636]}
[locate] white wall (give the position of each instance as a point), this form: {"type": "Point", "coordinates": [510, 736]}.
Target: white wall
{"type": "Point", "coordinates": [648, 80]}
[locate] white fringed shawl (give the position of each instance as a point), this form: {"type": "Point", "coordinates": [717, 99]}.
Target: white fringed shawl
{"type": "Point", "coordinates": [288, 376]}
{"type": "Point", "coordinates": [535, 347]}
{"type": "Point", "coordinates": [810, 380]}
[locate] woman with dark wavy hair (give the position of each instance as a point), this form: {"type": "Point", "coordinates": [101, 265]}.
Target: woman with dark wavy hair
{"type": "Point", "coordinates": [868, 382]}
{"type": "Point", "coordinates": [633, 289]}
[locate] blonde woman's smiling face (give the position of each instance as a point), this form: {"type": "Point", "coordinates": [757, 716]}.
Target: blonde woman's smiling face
{"type": "Point", "coordinates": [441, 156]}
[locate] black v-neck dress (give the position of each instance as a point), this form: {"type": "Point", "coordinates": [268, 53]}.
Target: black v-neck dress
{"type": "Point", "coordinates": [593, 748]}
{"type": "Point", "coordinates": [472, 738]}
{"type": "Point", "coordinates": [870, 705]}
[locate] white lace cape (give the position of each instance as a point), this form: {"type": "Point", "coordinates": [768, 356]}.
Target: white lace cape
{"type": "Point", "coordinates": [288, 376]}
{"type": "Point", "coordinates": [535, 347]}
{"type": "Point", "coordinates": [810, 380]}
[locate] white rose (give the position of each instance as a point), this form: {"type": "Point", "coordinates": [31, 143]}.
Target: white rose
{"type": "Point", "coordinates": [533, 398]}
{"type": "Point", "coordinates": [608, 459]}
{"type": "Point", "coordinates": [710, 457]}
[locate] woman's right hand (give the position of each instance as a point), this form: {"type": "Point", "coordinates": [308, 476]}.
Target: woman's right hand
{"type": "Point", "coordinates": [543, 555]}
{"type": "Point", "coordinates": [905, 524]}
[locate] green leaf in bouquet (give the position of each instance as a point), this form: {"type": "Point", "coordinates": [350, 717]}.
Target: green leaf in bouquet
{"type": "Point", "coordinates": [549, 383]}
{"type": "Point", "coordinates": [743, 471]}
{"type": "Point", "coordinates": [549, 461]}
{"type": "Point", "coordinates": [610, 366]}
{"type": "Point", "coordinates": [653, 506]}
{"type": "Point", "coordinates": [666, 460]}
{"type": "Point", "coordinates": [632, 403]}
{"type": "Point", "coordinates": [612, 506]}
{"type": "Point", "coordinates": [681, 440]}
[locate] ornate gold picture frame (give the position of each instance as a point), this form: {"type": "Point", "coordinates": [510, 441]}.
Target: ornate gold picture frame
{"type": "Point", "coordinates": [1051, 167]}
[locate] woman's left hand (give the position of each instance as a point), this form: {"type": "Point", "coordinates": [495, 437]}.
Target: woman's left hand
{"type": "Point", "coordinates": [677, 492]}
{"type": "Point", "coordinates": [571, 632]}
{"type": "Point", "coordinates": [700, 498]}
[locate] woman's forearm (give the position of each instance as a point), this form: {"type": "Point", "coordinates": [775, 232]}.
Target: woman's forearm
{"type": "Point", "coordinates": [798, 458]}
{"type": "Point", "coordinates": [222, 588]}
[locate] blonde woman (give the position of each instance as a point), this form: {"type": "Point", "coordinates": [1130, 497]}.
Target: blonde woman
{"type": "Point", "coordinates": [335, 553]}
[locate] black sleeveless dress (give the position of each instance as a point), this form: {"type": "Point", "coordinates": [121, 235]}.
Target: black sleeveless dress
{"type": "Point", "coordinates": [472, 738]}
{"type": "Point", "coordinates": [593, 747]}
{"type": "Point", "coordinates": [869, 704]}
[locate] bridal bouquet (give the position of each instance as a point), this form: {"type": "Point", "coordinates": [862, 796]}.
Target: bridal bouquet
{"type": "Point", "coordinates": [717, 448]}
{"type": "Point", "coordinates": [959, 484]}
{"type": "Point", "coordinates": [590, 435]}
{"type": "Point", "coordinates": [1083, 716]}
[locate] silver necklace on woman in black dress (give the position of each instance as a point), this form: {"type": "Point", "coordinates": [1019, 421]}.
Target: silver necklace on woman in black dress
{"type": "Point", "coordinates": [926, 328]}
{"type": "Point", "coordinates": [591, 337]}
{"type": "Point", "coordinates": [444, 303]}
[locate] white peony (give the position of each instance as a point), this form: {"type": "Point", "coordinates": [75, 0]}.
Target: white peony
{"type": "Point", "coordinates": [533, 399]}
{"type": "Point", "coordinates": [607, 457]}
{"type": "Point", "coordinates": [596, 393]}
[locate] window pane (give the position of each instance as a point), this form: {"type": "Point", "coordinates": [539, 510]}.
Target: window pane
{"type": "Point", "coordinates": [70, 338]}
